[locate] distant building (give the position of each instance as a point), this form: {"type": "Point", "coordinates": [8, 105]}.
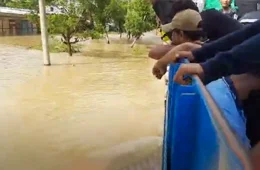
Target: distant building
{"type": "Point", "coordinates": [14, 21]}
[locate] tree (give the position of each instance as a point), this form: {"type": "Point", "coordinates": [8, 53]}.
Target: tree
{"type": "Point", "coordinates": [4, 2]}
{"type": "Point", "coordinates": [26, 4]}
{"type": "Point", "coordinates": [100, 16]}
{"type": "Point", "coordinates": [69, 24]}
{"type": "Point", "coordinates": [140, 18]}
{"type": "Point", "coordinates": [116, 12]}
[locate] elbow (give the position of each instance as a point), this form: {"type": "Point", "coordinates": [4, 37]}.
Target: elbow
{"type": "Point", "coordinates": [159, 51]}
{"type": "Point", "coordinates": [154, 55]}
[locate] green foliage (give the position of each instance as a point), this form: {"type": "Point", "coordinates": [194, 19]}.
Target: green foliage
{"type": "Point", "coordinates": [56, 46]}
{"type": "Point", "coordinates": [140, 17]}
{"type": "Point", "coordinates": [95, 34]}
{"type": "Point", "coordinates": [4, 2]}
{"type": "Point", "coordinates": [89, 18]}
{"type": "Point", "coordinates": [69, 25]}
{"type": "Point", "coordinates": [116, 12]}
{"type": "Point", "coordinates": [62, 24]}
{"type": "Point", "coordinates": [26, 4]}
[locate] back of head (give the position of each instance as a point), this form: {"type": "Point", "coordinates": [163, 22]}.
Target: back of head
{"type": "Point", "coordinates": [167, 9]}
{"type": "Point", "coordinates": [216, 24]}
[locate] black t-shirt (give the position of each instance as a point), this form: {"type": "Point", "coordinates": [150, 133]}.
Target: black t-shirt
{"type": "Point", "coordinates": [215, 24]}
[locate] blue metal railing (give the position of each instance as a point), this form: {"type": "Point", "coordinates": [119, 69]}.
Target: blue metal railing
{"type": "Point", "coordinates": [196, 135]}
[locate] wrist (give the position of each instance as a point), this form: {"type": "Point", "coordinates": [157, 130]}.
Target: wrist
{"type": "Point", "coordinates": [162, 63]}
{"type": "Point", "coordinates": [200, 71]}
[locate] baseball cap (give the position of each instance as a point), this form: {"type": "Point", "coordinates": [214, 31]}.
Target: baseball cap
{"type": "Point", "coordinates": [186, 20]}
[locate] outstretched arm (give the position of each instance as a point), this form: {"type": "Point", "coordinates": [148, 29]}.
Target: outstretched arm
{"type": "Point", "coordinates": [184, 49]}
{"type": "Point", "coordinates": [226, 43]}
{"type": "Point", "coordinates": [241, 59]}
{"type": "Point", "coordinates": [158, 51]}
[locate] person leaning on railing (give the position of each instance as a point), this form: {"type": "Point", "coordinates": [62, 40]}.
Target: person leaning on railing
{"type": "Point", "coordinates": [236, 53]}
{"type": "Point", "coordinates": [185, 25]}
{"type": "Point", "coordinates": [213, 30]}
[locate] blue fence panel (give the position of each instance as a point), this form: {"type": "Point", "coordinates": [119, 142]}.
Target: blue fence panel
{"type": "Point", "coordinates": [196, 135]}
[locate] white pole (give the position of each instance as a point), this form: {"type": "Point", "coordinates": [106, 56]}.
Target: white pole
{"type": "Point", "coordinates": [44, 34]}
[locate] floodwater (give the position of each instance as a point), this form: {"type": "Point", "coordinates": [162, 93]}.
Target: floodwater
{"type": "Point", "coordinates": [97, 104]}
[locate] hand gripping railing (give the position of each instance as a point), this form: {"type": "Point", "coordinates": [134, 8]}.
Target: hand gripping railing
{"type": "Point", "coordinates": [196, 134]}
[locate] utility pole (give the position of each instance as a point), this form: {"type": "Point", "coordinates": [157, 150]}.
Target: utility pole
{"type": "Point", "coordinates": [44, 34]}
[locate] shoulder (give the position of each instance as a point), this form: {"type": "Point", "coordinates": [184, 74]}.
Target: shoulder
{"type": "Point", "coordinates": [210, 13]}
{"type": "Point", "coordinates": [214, 15]}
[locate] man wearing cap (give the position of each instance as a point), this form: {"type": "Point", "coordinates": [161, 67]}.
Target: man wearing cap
{"type": "Point", "coordinates": [185, 27]}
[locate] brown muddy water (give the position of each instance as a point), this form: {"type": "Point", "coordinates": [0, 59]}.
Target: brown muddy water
{"type": "Point", "coordinates": [103, 104]}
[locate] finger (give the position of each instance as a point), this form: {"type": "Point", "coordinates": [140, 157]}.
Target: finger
{"type": "Point", "coordinates": [185, 54]}
{"type": "Point", "coordinates": [154, 70]}
{"type": "Point", "coordinates": [179, 56]}
{"type": "Point", "coordinates": [159, 75]}
{"type": "Point", "coordinates": [178, 78]}
{"type": "Point", "coordinates": [156, 73]}
{"type": "Point", "coordinates": [198, 42]}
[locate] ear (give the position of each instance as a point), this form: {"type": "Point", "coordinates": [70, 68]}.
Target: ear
{"type": "Point", "coordinates": [181, 34]}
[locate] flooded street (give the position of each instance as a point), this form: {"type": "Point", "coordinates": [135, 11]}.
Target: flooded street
{"type": "Point", "coordinates": [52, 117]}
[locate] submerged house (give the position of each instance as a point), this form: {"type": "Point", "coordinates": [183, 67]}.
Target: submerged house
{"type": "Point", "coordinates": [14, 22]}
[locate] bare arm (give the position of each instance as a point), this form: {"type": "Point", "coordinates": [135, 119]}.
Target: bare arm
{"type": "Point", "coordinates": [255, 157]}
{"type": "Point", "coordinates": [159, 51]}
{"type": "Point", "coordinates": [182, 50]}
{"type": "Point", "coordinates": [244, 84]}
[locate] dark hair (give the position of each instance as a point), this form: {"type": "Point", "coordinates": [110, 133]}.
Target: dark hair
{"type": "Point", "coordinates": [192, 35]}
{"type": "Point", "coordinates": [180, 5]}
{"type": "Point", "coordinates": [214, 30]}
{"type": "Point", "coordinates": [167, 9]}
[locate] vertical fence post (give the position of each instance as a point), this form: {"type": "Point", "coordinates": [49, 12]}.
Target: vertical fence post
{"type": "Point", "coordinates": [44, 34]}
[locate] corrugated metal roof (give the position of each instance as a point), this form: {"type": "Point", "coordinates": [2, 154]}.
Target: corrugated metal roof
{"type": "Point", "coordinates": [8, 10]}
